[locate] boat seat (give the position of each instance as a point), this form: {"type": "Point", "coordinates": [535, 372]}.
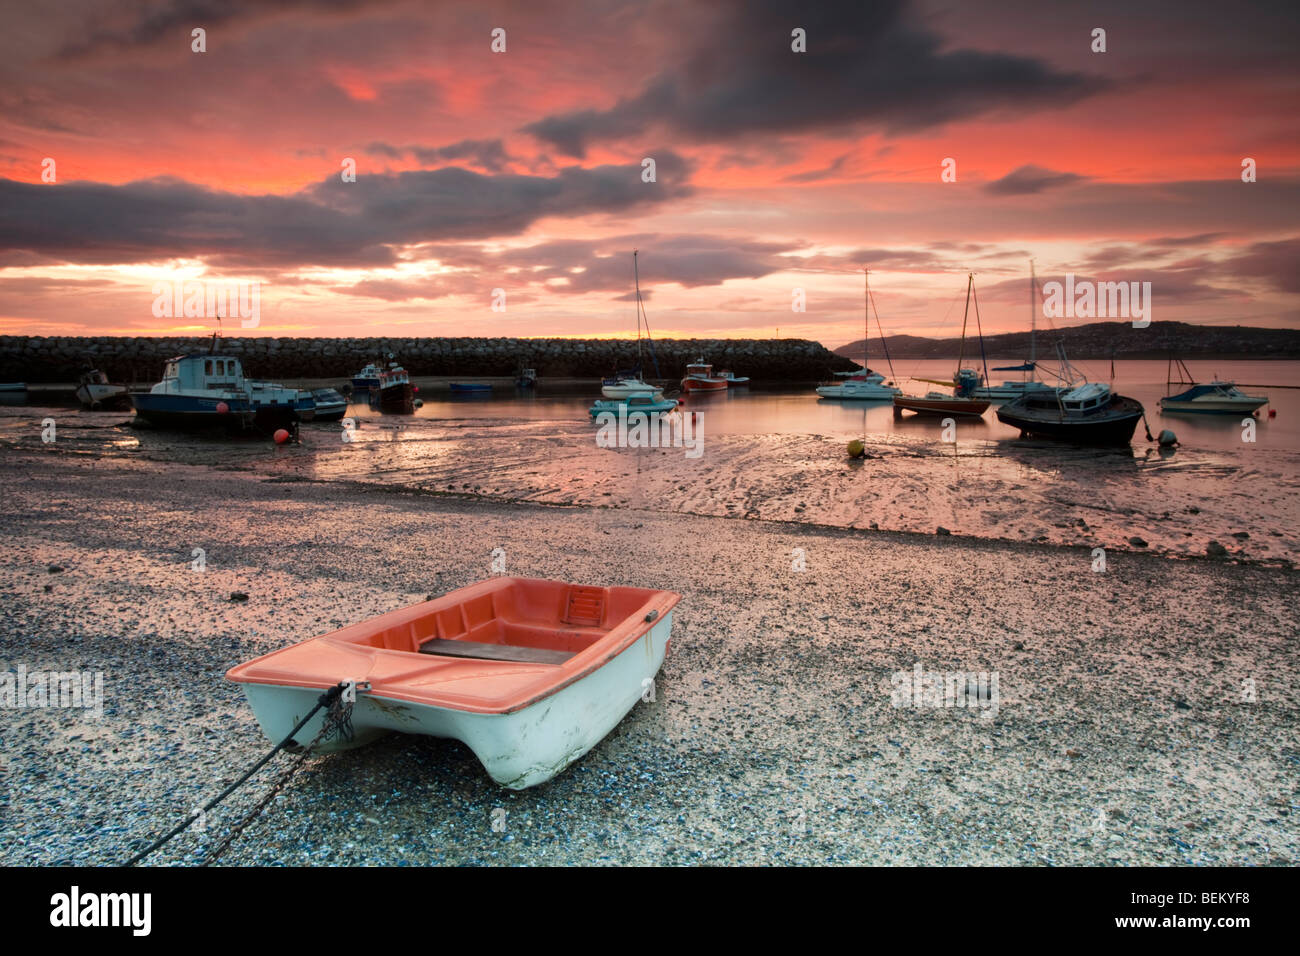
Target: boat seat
{"type": "Point", "coordinates": [494, 652]}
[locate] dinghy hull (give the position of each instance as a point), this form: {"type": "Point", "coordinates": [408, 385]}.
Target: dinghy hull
{"type": "Point", "coordinates": [526, 720]}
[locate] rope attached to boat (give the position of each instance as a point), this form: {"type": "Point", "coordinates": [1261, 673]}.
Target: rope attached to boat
{"type": "Point", "coordinates": [338, 720]}
{"type": "Point", "coordinates": [1146, 426]}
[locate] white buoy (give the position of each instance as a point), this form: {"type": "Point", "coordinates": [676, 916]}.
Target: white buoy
{"type": "Point", "coordinates": [1167, 438]}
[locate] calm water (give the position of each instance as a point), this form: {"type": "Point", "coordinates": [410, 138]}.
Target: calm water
{"type": "Point", "coordinates": [758, 410]}
{"type": "Point", "coordinates": [779, 455]}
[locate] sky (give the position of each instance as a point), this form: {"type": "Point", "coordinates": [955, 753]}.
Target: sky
{"type": "Point", "coordinates": [129, 160]}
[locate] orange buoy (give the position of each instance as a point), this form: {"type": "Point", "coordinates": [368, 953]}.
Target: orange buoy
{"type": "Point", "coordinates": [281, 436]}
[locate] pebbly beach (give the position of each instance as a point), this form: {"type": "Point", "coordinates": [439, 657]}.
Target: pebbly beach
{"type": "Point", "coordinates": [1144, 714]}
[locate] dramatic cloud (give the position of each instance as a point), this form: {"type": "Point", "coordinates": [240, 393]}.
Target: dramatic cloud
{"type": "Point", "coordinates": [489, 154]}
{"type": "Point", "coordinates": [330, 223]}
{"type": "Point", "coordinates": [1276, 262]}
{"type": "Point", "coordinates": [865, 64]}
{"type": "Point", "coordinates": [1028, 180]}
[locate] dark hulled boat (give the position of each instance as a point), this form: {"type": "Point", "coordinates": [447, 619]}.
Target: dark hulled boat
{"type": "Point", "coordinates": [1088, 415]}
{"type": "Point", "coordinates": [395, 393]}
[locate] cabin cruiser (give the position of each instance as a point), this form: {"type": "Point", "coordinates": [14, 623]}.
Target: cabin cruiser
{"type": "Point", "coordinates": [1215, 398]}
{"type": "Point", "coordinates": [862, 385]}
{"type": "Point", "coordinates": [205, 390]}
{"type": "Point", "coordinates": [1089, 414]}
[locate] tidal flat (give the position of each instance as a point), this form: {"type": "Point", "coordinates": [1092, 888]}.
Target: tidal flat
{"type": "Point", "coordinates": [1146, 713]}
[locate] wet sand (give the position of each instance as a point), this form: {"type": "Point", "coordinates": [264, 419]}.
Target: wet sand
{"type": "Point", "coordinates": [1124, 732]}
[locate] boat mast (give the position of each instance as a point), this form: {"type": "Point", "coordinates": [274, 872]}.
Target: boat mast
{"type": "Point", "coordinates": [1033, 318]}
{"type": "Point", "coordinates": [961, 352]}
{"type": "Point", "coordinates": [637, 279]}
{"type": "Point", "coordinates": [866, 318]}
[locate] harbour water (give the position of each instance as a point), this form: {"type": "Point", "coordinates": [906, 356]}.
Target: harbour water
{"type": "Point", "coordinates": [778, 454]}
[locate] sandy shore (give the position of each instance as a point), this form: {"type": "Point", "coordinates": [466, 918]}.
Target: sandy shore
{"type": "Point", "coordinates": [1125, 730]}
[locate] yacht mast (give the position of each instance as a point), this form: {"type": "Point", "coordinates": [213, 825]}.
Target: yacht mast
{"type": "Point", "coordinates": [866, 318]}
{"type": "Point", "coordinates": [637, 279]}
{"type": "Point", "coordinates": [1033, 317]}
{"type": "Point", "coordinates": [961, 354]}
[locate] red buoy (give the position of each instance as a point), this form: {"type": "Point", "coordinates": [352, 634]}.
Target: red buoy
{"type": "Point", "coordinates": [281, 436]}
{"type": "Point", "coordinates": [223, 408]}
{"type": "Point", "coordinates": [1272, 413]}
{"type": "Point", "coordinates": [415, 388]}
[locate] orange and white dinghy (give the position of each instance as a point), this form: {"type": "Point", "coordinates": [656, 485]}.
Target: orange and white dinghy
{"type": "Point", "coordinates": [529, 674]}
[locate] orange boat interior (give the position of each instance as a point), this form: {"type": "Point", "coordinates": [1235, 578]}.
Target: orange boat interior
{"type": "Point", "coordinates": [488, 644]}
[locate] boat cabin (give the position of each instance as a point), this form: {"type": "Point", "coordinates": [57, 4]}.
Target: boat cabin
{"type": "Point", "coordinates": [1086, 398]}
{"type": "Point", "coordinates": [196, 372]}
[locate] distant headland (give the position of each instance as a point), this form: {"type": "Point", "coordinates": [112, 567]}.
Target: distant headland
{"type": "Point", "coordinates": [1101, 340]}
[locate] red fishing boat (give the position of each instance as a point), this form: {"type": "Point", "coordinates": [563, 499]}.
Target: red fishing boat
{"type": "Point", "coordinates": [700, 378]}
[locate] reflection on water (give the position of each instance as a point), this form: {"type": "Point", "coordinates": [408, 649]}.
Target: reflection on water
{"type": "Point", "coordinates": [780, 455]}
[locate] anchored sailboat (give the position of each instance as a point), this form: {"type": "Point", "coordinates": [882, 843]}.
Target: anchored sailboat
{"type": "Point", "coordinates": [626, 383]}
{"type": "Point", "coordinates": [1011, 390]}
{"type": "Point", "coordinates": [964, 382]}
{"type": "Point", "coordinates": [864, 385]}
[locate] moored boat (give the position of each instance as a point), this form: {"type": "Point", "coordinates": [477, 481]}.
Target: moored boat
{"type": "Point", "coordinates": [700, 378]}
{"type": "Point", "coordinates": [1089, 414]}
{"type": "Point", "coordinates": [863, 385]}
{"type": "Point", "coordinates": [471, 388]}
{"type": "Point", "coordinates": [964, 381]}
{"type": "Point", "coordinates": [204, 390]}
{"type": "Point", "coordinates": [530, 674]}
{"type": "Point", "coordinates": [1213, 398]}
{"type": "Point", "coordinates": [937, 403]}
{"type": "Point", "coordinates": [625, 383]}
{"type": "Point", "coordinates": [330, 405]}
{"type": "Point", "coordinates": [13, 386]}
{"type": "Point", "coordinates": [1012, 389]}
{"type": "Point", "coordinates": [394, 393]}
{"type": "Point", "coordinates": [633, 403]}
{"type": "Point", "coordinates": [733, 380]}
{"type": "Point", "coordinates": [1208, 398]}
{"type": "Point", "coordinates": [94, 390]}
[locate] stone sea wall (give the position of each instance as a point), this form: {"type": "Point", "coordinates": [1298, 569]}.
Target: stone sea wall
{"type": "Point", "coordinates": [137, 360]}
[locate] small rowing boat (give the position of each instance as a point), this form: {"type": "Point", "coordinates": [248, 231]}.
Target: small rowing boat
{"type": "Point", "coordinates": [529, 674]}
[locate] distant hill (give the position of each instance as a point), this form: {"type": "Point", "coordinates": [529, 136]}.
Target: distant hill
{"type": "Point", "coordinates": [1099, 340]}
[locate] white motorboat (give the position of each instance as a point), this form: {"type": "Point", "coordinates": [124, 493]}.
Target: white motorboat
{"type": "Point", "coordinates": [1209, 398]}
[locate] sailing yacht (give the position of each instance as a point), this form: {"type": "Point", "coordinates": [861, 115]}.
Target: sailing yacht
{"type": "Point", "coordinates": [625, 384]}
{"type": "Point", "coordinates": [964, 382]}
{"type": "Point", "coordinates": [862, 385]}
{"type": "Point", "coordinates": [1009, 391]}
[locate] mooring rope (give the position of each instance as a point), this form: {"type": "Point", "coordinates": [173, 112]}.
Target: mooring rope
{"type": "Point", "coordinates": [338, 718]}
